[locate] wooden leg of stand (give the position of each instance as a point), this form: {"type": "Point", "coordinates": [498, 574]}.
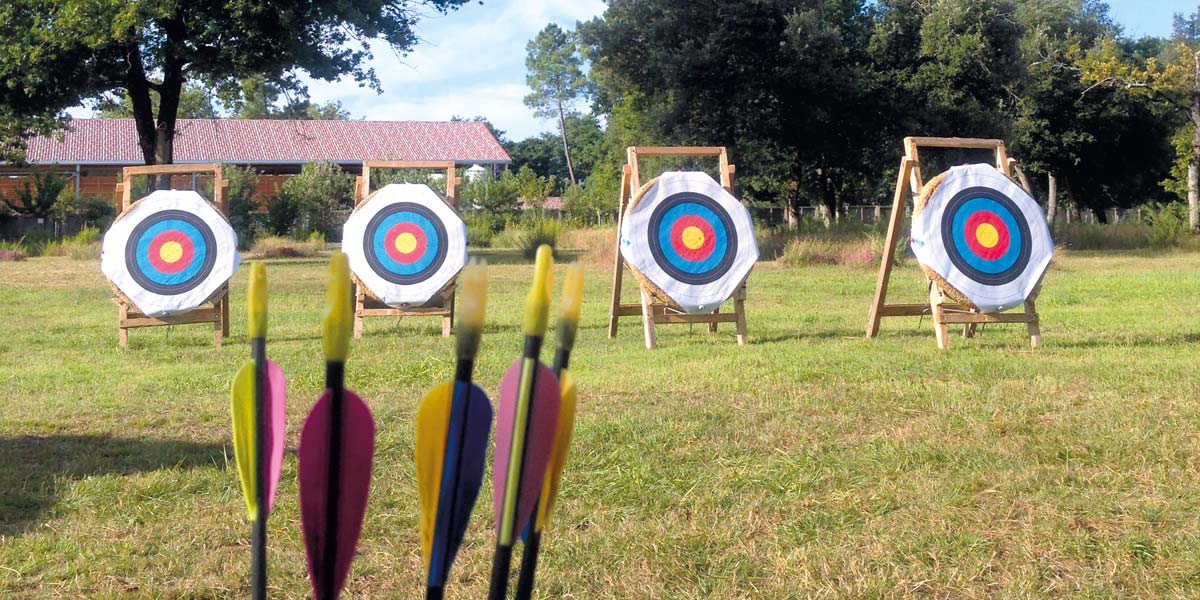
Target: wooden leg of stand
{"type": "Point", "coordinates": [739, 308]}
{"type": "Point", "coordinates": [225, 315]}
{"type": "Point", "coordinates": [940, 330]}
{"type": "Point", "coordinates": [968, 330]}
{"type": "Point", "coordinates": [358, 320]}
{"type": "Point", "coordinates": [448, 320]}
{"type": "Point", "coordinates": [122, 332]}
{"type": "Point", "coordinates": [712, 327]}
{"type": "Point", "coordinates": [616, 296]}
{"type": "Point", "coordinates": [648, 318]}
{"type": "Point", "coordinates": [1035, 331]}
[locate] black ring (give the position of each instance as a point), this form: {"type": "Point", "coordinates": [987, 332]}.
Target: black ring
{"type": "Point", "coordinates": [439, 229]}
{"type": "Point", "coordinates": [656, 252]}
{"type": "Point", "coordinates": [956, 258]}
{"type": "Point", "coordinates": [210, 254]}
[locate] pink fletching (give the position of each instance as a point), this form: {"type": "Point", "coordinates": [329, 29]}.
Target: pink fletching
{"type": "Point", "coordinates": [276, 428]}
{"type": "Point", "coordinates": [539, 440]}
{"type": "Point", "coordinates": [357, 452]}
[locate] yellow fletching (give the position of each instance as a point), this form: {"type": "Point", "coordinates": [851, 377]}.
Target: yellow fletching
{"type": "Point", "coordinates": [256, 301]}
{"type": "Point", "coordinates": [558, 455]}
{"type": "Point", "coordinates": [336, 327]}
{"type": "Point", "coordinates": [472, 296]}
{"type": "Point", "coordinates": [572, 294]}
{"type": "Point", "coordinates": [243, 433]}
{"type": "Point", "coordinates": [537, 303]}
{"type": "Point", "coordinates": [433, 420]}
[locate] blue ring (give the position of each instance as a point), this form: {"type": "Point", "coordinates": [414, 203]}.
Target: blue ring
{"type": "Point", "coordinates": [379, 243]}
{"type": "Point", "coordinates": [685, 209]}
{"type": "Point", "coordinates": [1010, 256]}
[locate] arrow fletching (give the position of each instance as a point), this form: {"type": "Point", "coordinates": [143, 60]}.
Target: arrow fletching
{"type": "Point", "coordinates": [243, 431]}
{"type": "Point", "coordinates": [537, 303]}
{"type": "Point", "coordinates": [472, 308]}
{"type": "Point", "coordinates": [518, 483]}
{"type": "Point", "coordinates": [558, 455]}
{"type": "Point", "coordinates": [354, 482]}
{"type": "Point", "coordinates": [453, 424]}
{"type": "Point", "coordinates": [256, 301]}
{"type": "Point", "coordinates": [335, 338]}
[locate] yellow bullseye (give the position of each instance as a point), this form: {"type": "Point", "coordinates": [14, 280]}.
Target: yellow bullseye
{"type": "Point", "coordinates": [693, 238]}
{"type": "Point", "coordinates": [171, 252]}
{"type": "Point", "coordinates": [406, 243]}
{"type": "Point", "coordinates": [987, 235]}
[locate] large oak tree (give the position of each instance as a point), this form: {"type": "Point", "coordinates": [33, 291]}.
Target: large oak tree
{"type": "Point", "coordinates": [55, 54]}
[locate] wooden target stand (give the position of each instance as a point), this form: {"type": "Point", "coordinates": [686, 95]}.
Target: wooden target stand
{"type": "Point", "coordinates": [652, 311]}
{"type": "Point", "coordinates": [942, 309]}
{"type": "Point", "coordinates": [128, 316]}
{"type": "Point", "coordinates": [367, 306]}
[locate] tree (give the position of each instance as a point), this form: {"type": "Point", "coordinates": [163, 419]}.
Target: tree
{"type": "Point", "coordinates": [1172, 77]}
{"type": "Point", "coordinates": [39, 199]}
{"type": "Point", "coordinates": [534, 190]}
{"type": "Point", "coordinates": [194, 103]}
{"type": "Point", "coordinates": [541, 152]}
{"type": "Point", "coordinates": [496, 133]}
{"type": "Point", "coordinates": [59, 53]}
{"type": "Point", "coordinates": [556, 78]}
{"type": "Point", "coordinates": [257, 98]}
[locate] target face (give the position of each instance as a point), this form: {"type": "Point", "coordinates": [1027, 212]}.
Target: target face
{"type": "Point", "coordinates": [405, 244]}
{"type": "Point", "coordinates": [690, 238]}
{"type": "Point", "coordinates": [985, 236]}
{"type": "Point", "coordinates": [169, 252]}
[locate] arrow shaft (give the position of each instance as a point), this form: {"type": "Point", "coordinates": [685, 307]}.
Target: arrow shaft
{"type": "Point", "coordinates": [335, 378]}
{"type": "Point", "coordinates": [456, 438]}
{"type": "Point", "coordinates": [258, 559]}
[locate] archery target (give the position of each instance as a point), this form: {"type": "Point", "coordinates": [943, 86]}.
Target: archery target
{"type": "Point", "coordinates": [984, 235]}
{"type": "Point", "coordinates": [169, 252]}
{"type": "Point", "coordinates": [405, 244]}
{"type": "Point", "coordinates": [690, 238]}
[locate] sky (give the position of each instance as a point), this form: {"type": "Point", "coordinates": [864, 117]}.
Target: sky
{"type": "Point", "coordinates": [472, 61]}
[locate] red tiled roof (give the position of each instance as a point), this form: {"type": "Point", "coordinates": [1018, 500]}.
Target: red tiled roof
{"type": "Point", "coordinates": [114, 141]}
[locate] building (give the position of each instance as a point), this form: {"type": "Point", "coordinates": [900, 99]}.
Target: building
{"type": "Point", "coordinates": [93, 151]}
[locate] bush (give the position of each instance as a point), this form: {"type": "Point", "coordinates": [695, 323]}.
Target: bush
{"type": "Point", "coordinates": [482, 227]}
{"type": "Point", "coordinates": [283, 212]}
{"type": "Point", "coordinates": [319, 195]}
{"type": "Point", "coordinates": [284, 247]}
{"type": "Point", "coordinates": [1168, 225]}
{"type": "Point", "coordinates": [243, 208]}
{"type": "Point", "coordinates": [498, 197]}
{"type": "Point", "coordinates": [541, 231]}
{"type": "Point", "coordinates": [84, 245]}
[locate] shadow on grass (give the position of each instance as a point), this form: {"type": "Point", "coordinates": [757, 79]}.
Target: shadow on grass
{"type": "Point", "coordinates": [34, 469]}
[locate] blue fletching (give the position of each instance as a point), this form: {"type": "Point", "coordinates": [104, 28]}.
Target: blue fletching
{"type": "Point", "coordinates": [462, 474]}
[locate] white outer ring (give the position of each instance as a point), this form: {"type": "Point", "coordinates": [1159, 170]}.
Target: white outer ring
{"type": "Point", "coordinates": [929, 247]}
{"type": "Point", "coordinates": [394, 294]}
{"type": "Point", "coordinates": [112, 252]}
{"type": "Point", "coordinates": [635, 242]}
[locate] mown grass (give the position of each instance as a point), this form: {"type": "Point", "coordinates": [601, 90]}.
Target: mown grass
{"type": "Point", "coordinates": [811, 463]}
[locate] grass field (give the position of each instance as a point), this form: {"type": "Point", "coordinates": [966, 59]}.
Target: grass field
{"type": "Point", "coordinates": [811, 463]}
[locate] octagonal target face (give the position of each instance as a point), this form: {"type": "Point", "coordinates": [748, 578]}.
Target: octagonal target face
{"type": "Point", "coordinates": [690, 238]}
{"type": "Point", "coordinates": [169, 252]}
{"type": "Point", "coordinates": [405, 244]}
{"type": "Point", "coordinates": [985, 236]}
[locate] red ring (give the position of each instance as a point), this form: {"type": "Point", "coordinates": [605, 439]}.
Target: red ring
{"type": "Point", "coordinates": [979, 218]}
{"type": "Point", "coordinates": [389, 243]}
{"type": "Point", "coordinates": [706, 247]}
{"type": "Point", "coordinates": [156, 251]}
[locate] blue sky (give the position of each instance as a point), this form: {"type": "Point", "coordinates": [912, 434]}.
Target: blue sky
{"type": "Point", "coordinates": [1149, 17]}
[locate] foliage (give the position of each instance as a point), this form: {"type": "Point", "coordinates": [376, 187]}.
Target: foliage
{"type": "Point", "coordinates": [594, 202]}
{"type": "Point", "coordinates": [1168, 225]}
{"type": "Point", "coordinates": [97, 211]}
{"type": "Point", "coordinates": [436, 180]}
{"type": "Point", "coordinates": [1126, 235]}
{"type": "Point", "coordinates": [320, 197]}
{"type": "Point", "coordinates": [283, 213]}
{"type": "Point", "coordinates": [534, 190]}
{"type": "Point", "coordinates": [536, 233]}
{"type": "Point", "coordinates": [497, 197]}
{"type": "Point", "coordinates": [60, 54]}
{"type": "Point", "coordinates": [244, 214]}
{"type": "Point", "coordinates": [38, 194]}
{"type": "Point", "coordinates": [195, 102]}
{"type": "Point", "coordinates": [809, 251]}
{"type": "Point", "coordinates": [482, 227]}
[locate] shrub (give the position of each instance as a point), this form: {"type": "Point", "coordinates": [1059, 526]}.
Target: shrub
{"type": "Point", "coordinates": [497, 196]}
{"type": "Point", "coordinates": [1168, 225]}
{"type": "Point", "coordinates": [283, 212]}
{"type": "Point", "coordinates": [541, 231]}
{"type": "Point", "coordinates": [243, 208]}
{"type": "Point", "coordinates": [283, 247]}
{"type": "Point", "coordinates": [481, 228]}
{"type": "Point", "coordinates": [40, 198]}
{"type": "Point", "coordinates": [1127, 235]}
{"type": "Point", "coordinates": [320, 194]}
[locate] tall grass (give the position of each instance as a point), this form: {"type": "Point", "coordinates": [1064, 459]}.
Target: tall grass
{"type": "Point", "coordinates": [286, 247]}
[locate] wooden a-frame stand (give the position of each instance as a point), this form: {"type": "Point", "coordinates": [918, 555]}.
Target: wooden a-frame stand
{"type": "Point", "coordinates": [128, 316]}
{"type": "Point", "coordinates": [367, 306]}
{"type": "Point", "coordinates": [943, 310]}
{"type": "Point", "coordinates": [652, 311]}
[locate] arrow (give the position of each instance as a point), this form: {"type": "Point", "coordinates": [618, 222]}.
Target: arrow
{"type": "Point", "coordinates": [568, 325]}
{"type": "Point", "coordinates": [259, 425]}
{"type": "Point", "coordinates": [453, 423]}
{"type": "Point", "coordinates": [529, 403]}
{"type": "Point", "coordinates": [337, 446]}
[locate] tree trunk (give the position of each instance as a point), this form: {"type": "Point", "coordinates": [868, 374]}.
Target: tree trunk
{"type": "Point", "coordinates": [1051, 199]}
{"type": "Point", "coordinates": [791, 212]}
{"type": "Point", "coordinates": [562, 129]}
